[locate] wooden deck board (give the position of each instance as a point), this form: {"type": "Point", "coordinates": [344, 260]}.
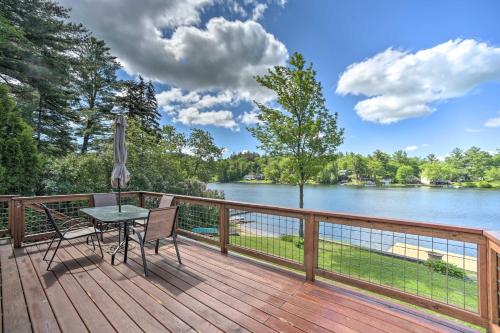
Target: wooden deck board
{"type": "Point", "coordinates": [209, 292]}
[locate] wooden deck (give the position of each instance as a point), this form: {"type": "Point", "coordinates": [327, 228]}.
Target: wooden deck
{"type": "Point", "coordinates": [209, 292]}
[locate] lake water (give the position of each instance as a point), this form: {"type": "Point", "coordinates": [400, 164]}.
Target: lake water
{"type": "Point", "coordinates": [463, 207]}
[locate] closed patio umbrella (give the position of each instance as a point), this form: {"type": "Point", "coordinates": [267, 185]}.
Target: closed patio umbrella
{"type": "Point", "coordinates": [120, 175]}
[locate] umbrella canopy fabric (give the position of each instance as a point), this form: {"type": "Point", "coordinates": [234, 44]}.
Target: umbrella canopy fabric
{"type": "Point", "coordinates": [120, 175]}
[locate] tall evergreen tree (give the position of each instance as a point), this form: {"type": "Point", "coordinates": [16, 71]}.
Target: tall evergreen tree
{"type": "Point", "coordinates": [140, 104]}
{"type": "Point", "coordinates": [96, 86]}
{"type": "Point", "coordinates": [19, 162]}
{"type": "Point", "coordinates": [44, 65]}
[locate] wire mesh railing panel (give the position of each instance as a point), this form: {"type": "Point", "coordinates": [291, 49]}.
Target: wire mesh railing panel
{"type": "Point", "coordinates": [199, 219]}
{"type": "Point", "coordinates": [151, 202]}
{"type": "Point", "coordinates": [130, 200]}
{"type": "Point", "coordinates": [62, 211]}
{"type": "Point", "coordinates": [273, 235]}
{"type": "Point", "coordinates": [4, 215]}
{"type": "Point", "coordinates": [439, 269]}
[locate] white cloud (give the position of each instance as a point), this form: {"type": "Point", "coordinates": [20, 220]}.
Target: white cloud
{"type": "Point", "coordinates": [411, 148]}
{"type": "Point", "coordinates": [250, 118]}
{"type": "Point", "coordinates": [193, 116]}
{"type": "Point", "coordinates": [401, 85]}
{"type": "Point", "coordinates": [473, 130]}
{"type": "Point", "coordinates": [493, 122]}
{"type": "Point", "coordinates": [162, 40]}
{"type": "Point", "coordinates": [424, 145]}
{"type": "Point", "coordinates": [258, 11]}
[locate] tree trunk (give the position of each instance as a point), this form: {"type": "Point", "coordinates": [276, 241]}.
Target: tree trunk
{"type": "Point", "coordinates": [301, 205]}
{"type": "Point", "coordinates": [86, 138]}
{"type": "Point", "coordinates": [39, 124]}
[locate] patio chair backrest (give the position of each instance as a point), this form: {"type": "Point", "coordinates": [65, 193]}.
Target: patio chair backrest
{"type": "Point", "coordinates": [51, 220]}
{"type": "Point", "coordinates": [166, 201]}
{"type": "Point", "coordinates": [161, 223]}
{"type": "Point", "coordinates": [105, 199]}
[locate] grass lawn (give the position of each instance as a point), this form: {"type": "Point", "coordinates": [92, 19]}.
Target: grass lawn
{"type": "Point", "coordinates": [412, 277]}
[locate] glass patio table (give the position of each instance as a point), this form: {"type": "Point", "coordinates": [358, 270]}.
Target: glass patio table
{"type": "Point", "coordinates": [111, 214]}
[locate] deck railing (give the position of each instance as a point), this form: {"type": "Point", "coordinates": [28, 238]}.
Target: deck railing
{"type": "Point", "coordinates": [449, 269]}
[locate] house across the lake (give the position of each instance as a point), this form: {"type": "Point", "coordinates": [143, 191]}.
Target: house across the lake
{"type": "Point", "coordinates": [254, 176]}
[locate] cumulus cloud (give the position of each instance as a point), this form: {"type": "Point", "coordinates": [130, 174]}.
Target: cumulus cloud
{"type": "Point", "coordinates": [493, 122]}
{"type": "Point", "coordinates": [193, 116]}
{"type": "Point", "coordinates": [258, 11]}
{"type": "Point", "coordinates": [249, 118]}
{"type": "Point", "coordinates": [162, 40]}
{"type": "Point", "coordinates": [400, 85]}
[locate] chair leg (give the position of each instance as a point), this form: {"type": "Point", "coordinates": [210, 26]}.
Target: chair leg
{"type": "Point", "coordinates": [54, 254]}
{"type": "Point", "coordinates": [177, 249]}
{"type": "Point", "coordinates": [51, 242]}
{"type": "Point", "coordinates": [99, 243]}
{"type": "Point", "coordinates": [157, 246]}
{"type": "Point", "coordinates": [144, 259]}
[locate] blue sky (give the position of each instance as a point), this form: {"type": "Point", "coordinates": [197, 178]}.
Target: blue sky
{"type": "Point", "coordinates": [446, 102]}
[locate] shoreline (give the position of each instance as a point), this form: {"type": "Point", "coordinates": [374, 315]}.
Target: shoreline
{"type": "Point", "coordinates": [454, 186]}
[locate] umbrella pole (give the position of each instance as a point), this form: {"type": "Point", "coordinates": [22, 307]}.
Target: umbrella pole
{"type": "Point", "coordinates": [119, 197]}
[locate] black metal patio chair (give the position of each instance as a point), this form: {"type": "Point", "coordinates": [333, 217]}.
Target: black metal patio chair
{"type": "Point", "coordinates": [73, 231]}
{"type": "Point", "coordinates": [161, 224]}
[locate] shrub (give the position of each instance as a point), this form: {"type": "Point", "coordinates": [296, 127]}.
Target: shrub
{"type": "Point", "coordinates": [286, 238]}
{"type": "Point", "coordinates": [300, 243]}
{"type": "Point", "coordinates": [444, 268]}
{"type": "Point", "coordinates": [485, 185]}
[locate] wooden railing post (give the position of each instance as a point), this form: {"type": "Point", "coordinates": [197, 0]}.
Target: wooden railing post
{"type": "Point", "coordinates": [310, 247]}
{"type": "Point", "coordinates": [223, 228]}
{"type": "Point", "coordinates": [142, 199]}
{"type": "Point", "coordinates": [493, 249]}
{"type": "Point", "coordinates": [482, 280]}
{"type": "Point", "coordinates": [18, 223]}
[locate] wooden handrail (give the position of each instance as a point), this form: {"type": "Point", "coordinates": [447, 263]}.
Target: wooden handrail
{"type": "Point", "coordinates": [488, 244]}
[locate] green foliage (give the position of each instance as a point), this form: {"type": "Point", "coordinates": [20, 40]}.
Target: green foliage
{"type": "Point", "coordinates": [287, 238]}
{"type": "Point", "coordinates": [95, 85]}
{"type": "Point", "coordinates": [44, 43]}
{"type": "Point", "coordinates": [303, 131]}
{"type": "Point", "coordinates": [140, 103]}
{"type": "Point", "coordinates": [492, 174]}
{"type": "Point", "coordinates": [444, 268]}
{"type": "Point", "coordinates": [19, 161]}
{"type": "Point", "coordinates": [205, 152]}
{"type": "Point", "coordinates": [299, 243]}
{"type": "Point", "coordinates": [405, 174]}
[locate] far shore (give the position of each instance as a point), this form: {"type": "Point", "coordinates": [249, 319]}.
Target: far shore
{"type": "Point", "coordinates": [495, 185]}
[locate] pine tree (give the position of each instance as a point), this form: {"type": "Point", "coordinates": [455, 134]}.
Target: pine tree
{"type": "Point", "coordinates": [140, 103]}
{"type": "Point", "coordinates": [43, 68]}
{"type": "Point", "coordinates": [96, 86]}
{"type": "Point", "coordinates": [19, 162]}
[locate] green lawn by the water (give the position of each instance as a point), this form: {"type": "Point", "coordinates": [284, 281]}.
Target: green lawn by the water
{"type": "Point", "coordinates": [405, 275]}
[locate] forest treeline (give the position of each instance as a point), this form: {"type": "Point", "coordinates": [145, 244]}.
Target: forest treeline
{"type": "Point", "coordinates": [471, 167]}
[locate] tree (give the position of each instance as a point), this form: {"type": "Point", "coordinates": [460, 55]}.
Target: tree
{"type": "Point", "coordinates": [19, 161]}
{"type": "Point", "coordinates": [204, 151]}
{"type": "Point", "coordinates": [44, 67]}
{"type": "Point", "coordinates": [405, 174]}
{"type": "Point", "coordinates": [95, 86]}
{"type": "Point", "coordinates": [140, 103]}
{"type": "Point", "coordinates": [305, 131]}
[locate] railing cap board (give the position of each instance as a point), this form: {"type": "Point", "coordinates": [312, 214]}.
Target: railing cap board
{"type": "Point", "coordinates": [493, 235]}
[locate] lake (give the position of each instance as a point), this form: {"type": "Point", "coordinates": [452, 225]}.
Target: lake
{"type": "Point", "coordinates": [464, 207]}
